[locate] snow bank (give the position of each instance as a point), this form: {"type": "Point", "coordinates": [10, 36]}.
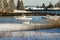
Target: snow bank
{"type": "Point", "coordinates": [23, 11]}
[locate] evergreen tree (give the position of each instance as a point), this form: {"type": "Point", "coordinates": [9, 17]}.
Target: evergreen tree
{"type": "Point", "coordinates": [37, 6]}
{"type": "Point", "coordinates": [43, 5]}
{"type": "Point", "coordinates": [20, 5]}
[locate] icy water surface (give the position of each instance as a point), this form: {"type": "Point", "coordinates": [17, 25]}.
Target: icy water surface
{"type": "Point", "coordinates": [47, 34]}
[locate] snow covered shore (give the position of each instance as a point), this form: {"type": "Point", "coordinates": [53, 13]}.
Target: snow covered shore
{"type": "Point", "coordinates": [31, 26]}
{"type": "Point", "coordinates": [27, 34]}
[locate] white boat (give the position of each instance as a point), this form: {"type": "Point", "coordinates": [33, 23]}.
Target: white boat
{"type": "Point", "coordinates": [23, 18]}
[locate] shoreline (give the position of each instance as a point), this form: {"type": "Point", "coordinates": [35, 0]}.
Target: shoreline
{"type": "Point", "coordinates": [27, 14]}
{"type": "Point", "coordinates": [27, 34]}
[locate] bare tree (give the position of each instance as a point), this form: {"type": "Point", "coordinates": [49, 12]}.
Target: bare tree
{"type": "Point", "coordinates": [5, 5]}
{"type": "Point", "coordinates": [1, 5]}
{"type": "Point", "coordinates": [11, 6]}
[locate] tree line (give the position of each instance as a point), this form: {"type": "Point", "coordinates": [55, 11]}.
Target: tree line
{"type": "Point", "coordinates": [50, 5]}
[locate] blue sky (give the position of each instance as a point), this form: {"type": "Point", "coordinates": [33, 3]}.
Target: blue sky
{"type": "Point", "coordinates": [37, 2]}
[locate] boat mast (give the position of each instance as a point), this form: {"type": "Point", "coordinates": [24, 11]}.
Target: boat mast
{"type": "Point", "coordinates": [20, 5]}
